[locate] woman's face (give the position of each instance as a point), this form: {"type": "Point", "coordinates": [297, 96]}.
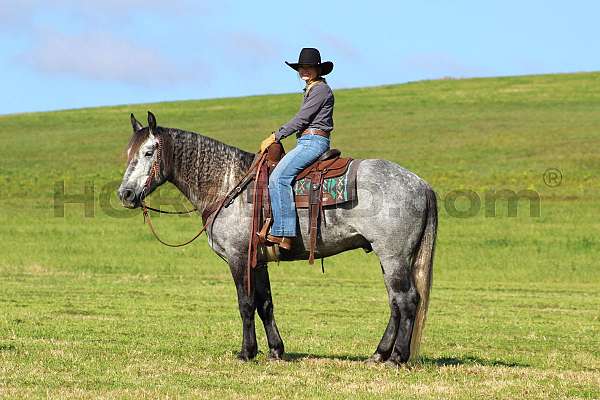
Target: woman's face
{"type": "Point", "coordinates": [308, 72]}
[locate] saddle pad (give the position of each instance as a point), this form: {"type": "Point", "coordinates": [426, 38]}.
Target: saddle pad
{"type": "Point", "coordinates": [337, 190]}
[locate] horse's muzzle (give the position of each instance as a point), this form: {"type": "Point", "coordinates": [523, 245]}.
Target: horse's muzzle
{"type": "Point", "coordinates": [128, 198]}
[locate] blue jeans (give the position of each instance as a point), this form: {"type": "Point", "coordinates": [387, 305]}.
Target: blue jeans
{"type": "Point", "coordinates": [308, 149]}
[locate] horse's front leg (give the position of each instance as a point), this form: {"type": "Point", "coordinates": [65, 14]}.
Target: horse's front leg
{"type": "Point", "coordinates": [247, 305]}
{"type": "Point", "coordinates": [264, 305]}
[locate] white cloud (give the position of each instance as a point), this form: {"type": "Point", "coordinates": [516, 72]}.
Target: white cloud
{"type": "Point", "coordinates": [16, 14]}
{"type": "Point", "coordinates": [340, 46]}
{"type": "Point", "coordinates": [103, 57]}
{"type": "Point", "coordinates": [91, 52]}
{"type": "Point", "coordinates": [102, 12]}
{"type": "Point", "coordinates": [21, 15]}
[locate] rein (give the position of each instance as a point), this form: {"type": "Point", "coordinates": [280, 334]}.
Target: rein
{"type": "Point", "coordinates": [217, 206]}
{"type": "Point", "coordinates": [168, 212]}
{"type": "Point", "coordinates": [149, 221]}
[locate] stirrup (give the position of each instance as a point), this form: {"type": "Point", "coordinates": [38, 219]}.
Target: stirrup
{"type": "Point", "coordinates": [283, 242]}
{"type": "Point", "coordinates": [262, 235]}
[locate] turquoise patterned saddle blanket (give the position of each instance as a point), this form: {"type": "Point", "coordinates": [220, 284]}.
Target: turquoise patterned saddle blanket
{"type": "Point", "coordinates": [336, 190]}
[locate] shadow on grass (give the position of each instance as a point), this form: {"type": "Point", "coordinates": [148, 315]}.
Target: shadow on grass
{"type": "Point", "coordinates": [468, 360]}
{"type": "Point", "coordinates": [293, 357]}
{"type": "Point", "coordinates": [424, 361]}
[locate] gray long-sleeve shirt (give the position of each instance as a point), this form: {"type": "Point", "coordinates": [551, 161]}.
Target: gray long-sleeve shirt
{"type": "Point", "coordinates": [316, 112]}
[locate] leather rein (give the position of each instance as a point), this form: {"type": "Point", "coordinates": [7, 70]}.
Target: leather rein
{"type": "Point", "coordinates": [212, 209]}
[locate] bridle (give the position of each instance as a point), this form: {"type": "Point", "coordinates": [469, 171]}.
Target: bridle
{"type": "Point", "coordinates": [211, 211]}
{"type": "Point", "coordinates": [155, 174]}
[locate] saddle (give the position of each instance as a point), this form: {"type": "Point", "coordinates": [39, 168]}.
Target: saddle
{"type": "Point", "coordinates": [309, 193]}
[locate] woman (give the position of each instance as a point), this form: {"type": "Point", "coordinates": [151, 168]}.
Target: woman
{"type": "Point", "coordinates": [312, 124]}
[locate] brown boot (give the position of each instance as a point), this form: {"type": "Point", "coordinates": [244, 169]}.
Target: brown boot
{"type": "Point", "coordinates": [283, 241]}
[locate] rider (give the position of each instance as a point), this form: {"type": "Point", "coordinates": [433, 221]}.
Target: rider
{"type": "Point", "coordinates": [312, 124]}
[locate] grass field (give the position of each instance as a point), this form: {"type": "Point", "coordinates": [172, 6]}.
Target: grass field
{"type": "Point", "coordinates": [95, 307]}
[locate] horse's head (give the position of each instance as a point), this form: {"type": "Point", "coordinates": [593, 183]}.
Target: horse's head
{"type": "Point", "coordinates": [145, 162]}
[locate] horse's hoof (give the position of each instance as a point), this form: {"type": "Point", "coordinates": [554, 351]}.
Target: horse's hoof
{"type": "Point", "coordinates": [375, 359]}
{"type": "Point", "coordinates": [245, 356]}
{"type": "Point", "coordinates": [275, 355]}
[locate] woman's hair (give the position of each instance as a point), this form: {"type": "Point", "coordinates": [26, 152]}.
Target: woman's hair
{"type": "Point", "coordinates": [319, 69]}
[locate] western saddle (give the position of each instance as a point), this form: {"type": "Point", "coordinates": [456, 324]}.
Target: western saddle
{"type": "Point", "coordinates": [328, 165]}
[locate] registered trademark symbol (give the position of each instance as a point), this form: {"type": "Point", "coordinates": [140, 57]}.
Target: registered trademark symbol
{"type": "Point", "coordinates": [552, 177]}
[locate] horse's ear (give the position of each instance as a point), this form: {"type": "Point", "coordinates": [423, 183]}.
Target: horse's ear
{"type": "Point", "coordinates": [135, 124]}
{"type": "Point", "coordinates": [151, 122]}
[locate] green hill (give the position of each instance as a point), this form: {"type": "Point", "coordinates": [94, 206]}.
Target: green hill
{"type": "Point", "coordinates": [93, 306]}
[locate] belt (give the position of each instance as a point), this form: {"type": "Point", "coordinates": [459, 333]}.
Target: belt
{"type": "Point", "coordinates": [315, 131]}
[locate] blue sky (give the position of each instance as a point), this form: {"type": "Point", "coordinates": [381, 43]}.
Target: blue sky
{"type": "Point", "coordinates": [88, 53]}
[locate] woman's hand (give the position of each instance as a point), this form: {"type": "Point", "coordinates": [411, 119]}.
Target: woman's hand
{"type": "Point", "coordinates": [267, 142]}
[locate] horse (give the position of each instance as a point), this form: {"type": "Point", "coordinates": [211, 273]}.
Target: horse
{"type": "Point", "coordinates": [395, 215]}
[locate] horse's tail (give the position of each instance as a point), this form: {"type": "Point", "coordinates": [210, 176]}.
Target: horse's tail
{"type": "Point", "coordinates": [422, 271]}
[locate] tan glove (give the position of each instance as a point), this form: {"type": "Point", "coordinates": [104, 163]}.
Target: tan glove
{"type": "Point", "coordinates": [267, 142]}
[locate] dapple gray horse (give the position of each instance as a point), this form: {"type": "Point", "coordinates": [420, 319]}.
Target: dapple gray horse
{"type": "Point", "coordinates": [395, 215]}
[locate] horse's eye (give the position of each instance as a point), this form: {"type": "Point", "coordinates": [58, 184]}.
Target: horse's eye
{"type": "Point", "coordinates": [149, 153]}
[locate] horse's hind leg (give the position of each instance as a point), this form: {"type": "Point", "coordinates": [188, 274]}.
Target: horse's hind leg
{"type": "Point", "coordinates": [264, 306]}
{"type": "Point", "coordinates": [403, 299]}
{"type": "Point", "coordinates": [406, 298]}
{"type": "Point", "coordinates": [386, 345]}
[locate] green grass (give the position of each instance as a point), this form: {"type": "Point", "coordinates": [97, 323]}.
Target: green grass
{"type": "Point", "coordinates": [95, 307]}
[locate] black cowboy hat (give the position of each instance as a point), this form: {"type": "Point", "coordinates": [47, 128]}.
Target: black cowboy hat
{"type": "Point", "coordinates": [310, 56]}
